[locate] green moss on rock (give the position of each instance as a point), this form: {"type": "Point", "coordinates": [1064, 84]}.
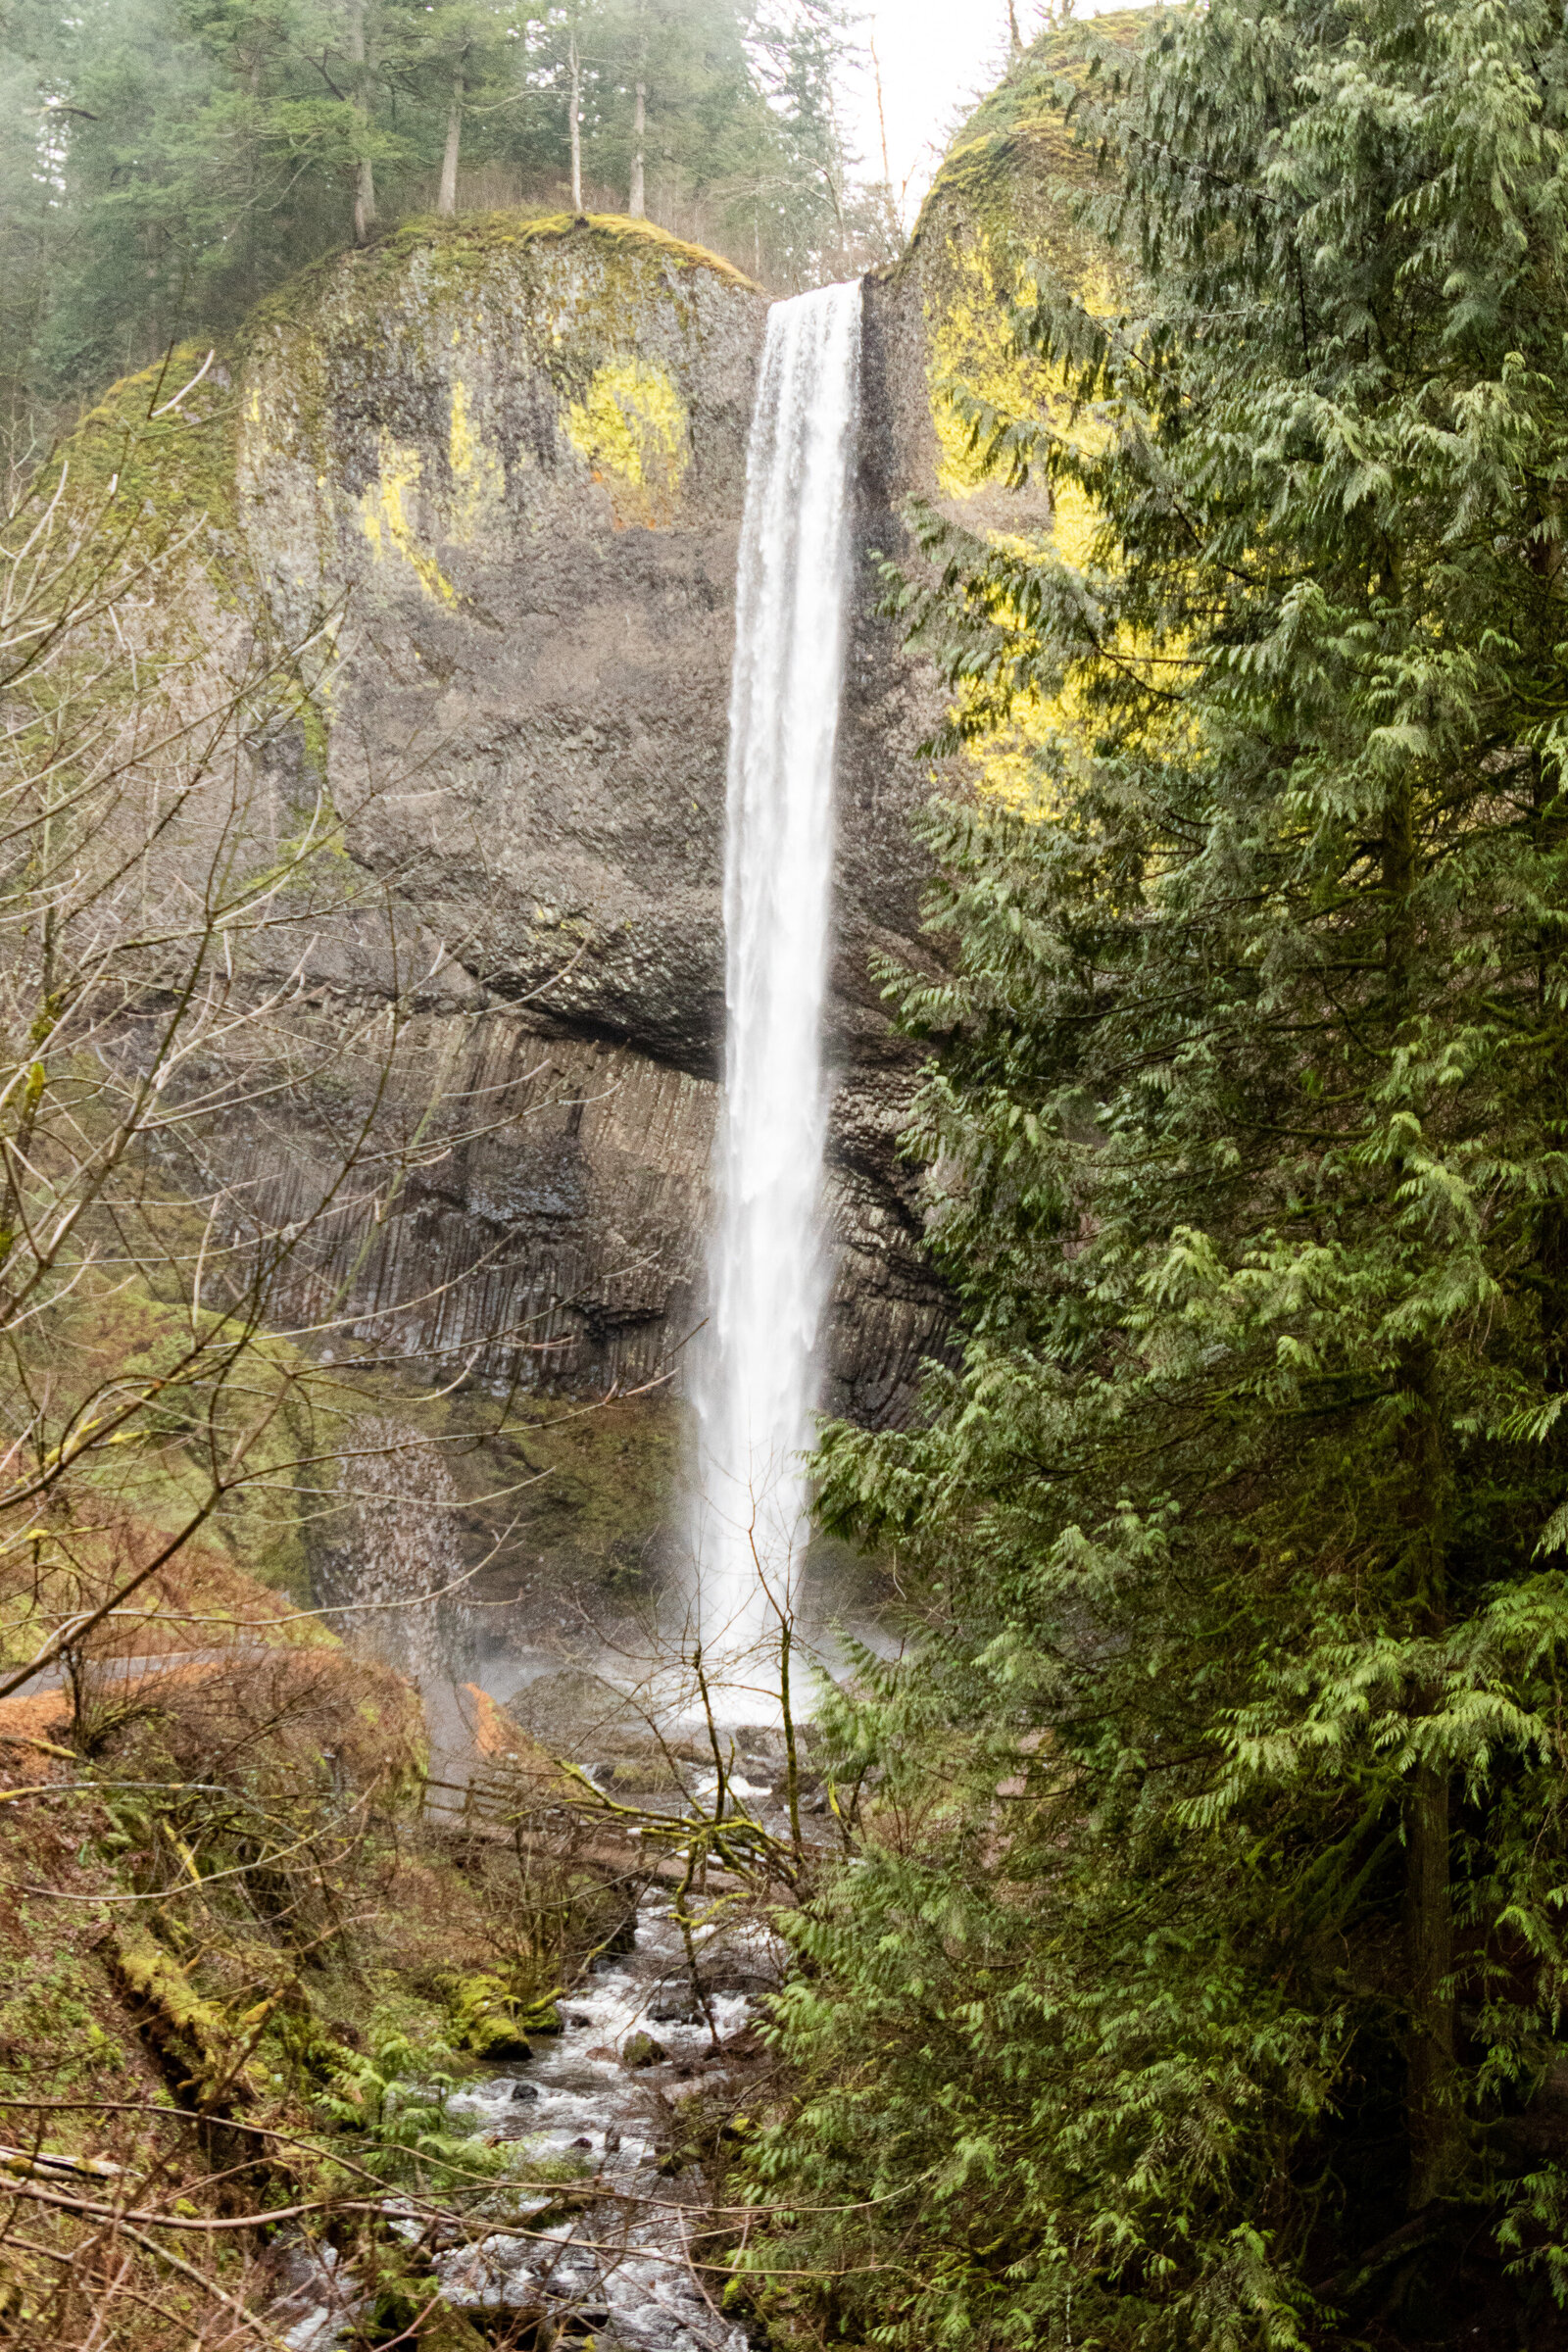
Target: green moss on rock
{"type": "Point", "coordinates": [149, 455]}
{"type": "Point", "coordinates": [486, 2017]}
{"type": "Point", "coordinates": [406, 2309]}
{"type": "Point", "coordinates": [457, 249]}
{"type": "Point", "coordinates": [1010, 172]}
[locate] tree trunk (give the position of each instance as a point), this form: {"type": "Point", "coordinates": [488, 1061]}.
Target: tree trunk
{"type": "Point", "coordinates": [447, 201]}
{"type": "Point", "coordinates": [1015, 36]}
{"type": "Point", "coordinates": [636, 202]}
{"type": "Point", "coordinates": [576, 128]}
{"type": "Point", "coordinates": [1551, 1224]}
{"type": "Point", "coordinates": [1430, 2118]}
{"type": "Point", "coordinates": [364, 174]}
{"type": "Point", "coordinates": [364, 202]}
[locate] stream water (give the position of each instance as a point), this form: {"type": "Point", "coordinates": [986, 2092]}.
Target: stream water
{"type": "Point", "coordinates": [619, 2270]}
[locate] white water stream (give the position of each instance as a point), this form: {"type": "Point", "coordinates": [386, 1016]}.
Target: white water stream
{"type": "Point", "coordinates": [618, 2274]}
{"type": "Point", "coordinates": [758, 1379]}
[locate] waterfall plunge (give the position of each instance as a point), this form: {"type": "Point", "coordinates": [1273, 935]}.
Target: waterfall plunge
{"type": "Point", "coordinates": [769, 1274]}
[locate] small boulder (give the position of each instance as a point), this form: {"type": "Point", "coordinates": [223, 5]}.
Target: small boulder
{"type": "Point", "coordinates": [497, 2038]}
{"type": "Point", "coordinates": [641, 2049]}
{"type": "Point", "coordinates": [522, 2092]}
{"type": "Point", "coordinates": [676, 2013]}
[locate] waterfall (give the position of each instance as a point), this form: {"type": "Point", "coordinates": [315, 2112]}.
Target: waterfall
{"type": "Point", "coordinates": [769, 1274]}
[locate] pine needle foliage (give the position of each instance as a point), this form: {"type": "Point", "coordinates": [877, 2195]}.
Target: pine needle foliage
{"type": "Point", "coordinates": [1208, 1941]}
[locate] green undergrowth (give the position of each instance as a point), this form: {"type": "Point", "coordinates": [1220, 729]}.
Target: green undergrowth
{"type": "Point", "coordinates": [249, 1563]}
{"type": "Point", "coordinates": [236, 1958]}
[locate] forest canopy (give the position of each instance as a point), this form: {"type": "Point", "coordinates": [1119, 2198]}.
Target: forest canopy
{"type": "Point", "coordinates": [164, 162]}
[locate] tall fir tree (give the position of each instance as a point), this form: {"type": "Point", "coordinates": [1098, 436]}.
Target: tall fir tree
{"type": "Point", "coordinates": [1203, 1974]}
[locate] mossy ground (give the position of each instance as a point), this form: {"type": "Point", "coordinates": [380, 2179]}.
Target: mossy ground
{"type": "Point", "coordinates": [233, 1950]}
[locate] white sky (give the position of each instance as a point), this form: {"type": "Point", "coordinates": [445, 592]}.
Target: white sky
{"type": "Point", "coordinates": [937, 57]}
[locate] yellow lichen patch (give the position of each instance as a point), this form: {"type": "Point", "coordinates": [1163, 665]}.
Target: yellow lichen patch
{"type": "Point", "coordinates": [974, 358]}
{"type": "Point", "coordinates": [973, 354]}
{"type": "Point", "coordinates": [387, 525]}
{"type": "Point", "coordinates": [479, 477]}
{"type": "Point", "coordinates": [631, 428]}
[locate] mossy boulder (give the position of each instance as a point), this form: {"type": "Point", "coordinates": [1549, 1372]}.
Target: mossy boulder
{"type": "Point", "coordinates": [640, 2049]}
{"type": "Point", "coordinates": [487, 2018]}
{"type": "Point", "coordinates": [409, 2310]}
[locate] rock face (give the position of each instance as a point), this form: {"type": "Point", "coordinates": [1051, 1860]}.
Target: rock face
{"type": "Point", "coordinates": [519, 453]}
{"type": "Point", "coordinates": [501, 465]}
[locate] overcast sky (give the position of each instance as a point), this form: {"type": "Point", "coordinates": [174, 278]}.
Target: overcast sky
{"type": "Point", "coordinates": [937, 58]}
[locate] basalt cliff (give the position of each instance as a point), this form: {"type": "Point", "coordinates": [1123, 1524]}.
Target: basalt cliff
{"type": "Point", "coordinates": [500, 468]}
{"type": "Point", "coordinates": [489, 476]}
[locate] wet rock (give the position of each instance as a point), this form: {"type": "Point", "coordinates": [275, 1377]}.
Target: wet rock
{"type": "Point", "coordinates": [494, 2283]}
{"type": "Point", "coordinates": [676, 2013]}
{"type": "Point", "coordinates": [522, 2093]}
{"type": "Point", "coordinates": [404, 2304]}
{"type": "Point", "coordinates": [497, 2038]}
{"type": "Point", "coordinates": [623, 1939]}
{"type": "Point", "coordinates": [749, 1981]}
{"type": "Point", "coordinates": [641, 2049]}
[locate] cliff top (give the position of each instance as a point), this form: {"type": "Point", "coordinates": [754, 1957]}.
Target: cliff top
{"type": "Point", "coordinates": [1022, 118]}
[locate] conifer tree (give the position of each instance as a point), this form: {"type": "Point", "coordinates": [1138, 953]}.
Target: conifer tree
{"type": "Point", "coordinates": [164, 162]}
{"type": "Point", "coordinates": [1207, 1952]}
